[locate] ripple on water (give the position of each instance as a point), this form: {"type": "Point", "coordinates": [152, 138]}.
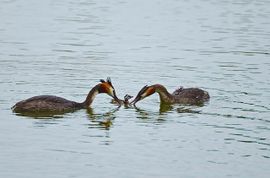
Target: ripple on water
{"type": "Point", "coordinates": [222, 47]}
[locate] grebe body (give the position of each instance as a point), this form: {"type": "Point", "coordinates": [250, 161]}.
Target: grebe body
{"type": "Point", "coordinates": [45, 103]}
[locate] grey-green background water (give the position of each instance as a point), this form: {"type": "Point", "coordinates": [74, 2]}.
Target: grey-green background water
{"type": "Point", "coordinates": [64, 47]}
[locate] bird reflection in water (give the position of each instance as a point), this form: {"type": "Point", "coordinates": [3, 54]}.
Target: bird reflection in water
{"type": "Point", "coordinates": [43, 115]}
{"type": "Point", "coordinates": [165, 109]}
{"type": "Point", "coordinates": [101, 120]}
{"type": "Point", "coordinates": [186, 109]}
{"type": "Point", "coordinates": [149, 115]}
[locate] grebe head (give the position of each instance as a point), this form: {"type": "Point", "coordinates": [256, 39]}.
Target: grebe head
{"type": "Point", "coordinates": [107, 87]}
{"type": "Point", "coordinates": [127, 97]}
{"type": "Point", "coordinates": [143, 93]}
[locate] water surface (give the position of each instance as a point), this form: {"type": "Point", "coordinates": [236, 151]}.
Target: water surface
{"type": "Point", "coordinates": [64, 47]}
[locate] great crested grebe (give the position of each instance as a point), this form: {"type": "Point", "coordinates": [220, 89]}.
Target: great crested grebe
{"type": "Point", "coordinates": [125, 101]}
{"type": "Point", "coordinates": [49, 103]}
{"type": "Point", "coordinates": [191, 96]}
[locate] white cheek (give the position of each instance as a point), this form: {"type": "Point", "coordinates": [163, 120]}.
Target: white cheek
{"type": "Point", "coordinates": [143, 95]}
{"type": "Point", "coordinates": [111, 91]}
{"type": "Point", "coordinates": [95, 94]}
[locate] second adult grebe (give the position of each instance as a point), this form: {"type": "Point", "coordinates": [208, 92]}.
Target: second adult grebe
{"type": "Point", "coordinates": [193, 96]}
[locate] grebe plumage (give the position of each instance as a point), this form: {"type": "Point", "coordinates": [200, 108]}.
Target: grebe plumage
{"type": "Point", "coordinates": [50, 103]}
{"type": "Point", "coordinates": [190, 96]}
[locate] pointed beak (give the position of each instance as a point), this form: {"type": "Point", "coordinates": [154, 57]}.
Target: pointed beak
{"type": "Point", "coordinates": [138, 98]}
{"type": "Point", "coordinates": [117, 99]}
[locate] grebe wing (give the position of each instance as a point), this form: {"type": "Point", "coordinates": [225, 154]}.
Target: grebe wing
{"type": "Point", "coordinates": [44, 103]}
{"type": "Point", "coordinates": [177, 91]}
{"type": "Point", "coordinates": [195, 93]}
{"type": "Point", "coordinates": [47, 98]}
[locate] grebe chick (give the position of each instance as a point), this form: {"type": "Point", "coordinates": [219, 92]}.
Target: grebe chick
{"type": "Point", "coordinates": [49, 103]}
{"type": "Point", "coordinates": [126, 98]}
{"type": "Point", "coordinates": [125, 101]}
{"type": "Point", "coordinates": [190, 96]}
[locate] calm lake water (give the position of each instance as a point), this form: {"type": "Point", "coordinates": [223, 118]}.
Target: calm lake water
{"type": "Point", "coordinates": [64, 47]}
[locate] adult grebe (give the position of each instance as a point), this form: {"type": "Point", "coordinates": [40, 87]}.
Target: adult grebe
{"type": "Point", "coordinates": [49, 103]}
{"type": "Point", "coordinates": [192, 96]}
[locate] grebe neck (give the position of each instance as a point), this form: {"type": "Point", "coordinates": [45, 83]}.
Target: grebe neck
{"type": "Point", "coordinates": [91, 96]}
{"type": "Point", "coordinates": [164, 95]}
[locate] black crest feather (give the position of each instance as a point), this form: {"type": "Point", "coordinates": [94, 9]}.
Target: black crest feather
{"type": "Point", "coordinates": [143, 90]}
{"type": "Point", "coordinates": [109, 80]}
